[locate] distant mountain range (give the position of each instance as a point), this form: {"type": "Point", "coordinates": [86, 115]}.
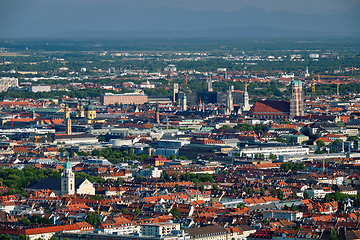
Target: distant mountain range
{"type": "Point", "coordinates": [64, 19]}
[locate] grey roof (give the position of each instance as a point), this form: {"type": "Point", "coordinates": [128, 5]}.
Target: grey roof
{"type": "Point", "coordinates": [216, 229]}
{"type": "Point", "coordinates": [245, 228]}
{"type": "Point", "coordinates": [53, 184]}
{"type": "Point", "coordinates": [74, 136]}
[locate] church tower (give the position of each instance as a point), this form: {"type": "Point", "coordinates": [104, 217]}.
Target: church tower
{"type": "Point", "coordinates": [90, 112]}
{"type": "Point", "coordinates": [230, 101]}
{"type": "Point", "coordinates": [296, 101]}
{"type": "Point", "coordinates": [68, 126]}
{"type": "Point", "coordinates": [67, 180]}
{"type": "Point", "coordinates": [246, 106]}
{"type": "Point", "coordinates": [81, 112]}
{"type": "Point", "coordinates": [184, 106]}
{"type": "Point", "coordinates": [66, 112]}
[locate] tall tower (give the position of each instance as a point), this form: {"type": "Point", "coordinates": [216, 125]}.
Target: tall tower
{"type": "Point", "coordinates": [209, 83]}
{"type": "Point", "coordinates": [66, 112]}
{"type": "Point", "coordinates": [230, 101]}
{"type": "Point", "coordinates": [296, 101]}
{"type": "Point", "coordinates": [157, 113]}
{"type": "Point", "coordinates": [184, 106]}
{"type": "Point", "coordinates": [34, 115]}
{"type": "Point", "coordinates": [246, 106]}
{"type": "Point", "coordinates": [81, 112]}
{"type": "Point", "coordinates": [68, 126]}
{"type": "Point", "coordinates": [175, 91]}
{"type": "Point", "coordinates": [67, 180]}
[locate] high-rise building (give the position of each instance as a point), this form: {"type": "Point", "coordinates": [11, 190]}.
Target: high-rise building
{"type": "Point", "coordinates": [209, 83]}
{"type": "Point", "coordinates": [296, 101]}
{"type": "Point", "coordinates": [176, 91]}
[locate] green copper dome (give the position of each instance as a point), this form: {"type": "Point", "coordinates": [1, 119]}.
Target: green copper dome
{"type": "Point", "coordinates": [296, 82]}
{"type": "Point", "coordinates": [67, 165]}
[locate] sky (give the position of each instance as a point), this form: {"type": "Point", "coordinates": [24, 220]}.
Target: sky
{"type": "Point", "coordinates": [39, 18]}
{"type": "Point", "coordinates": [299, 6]}
{"type": "Point", "coordinates": [304, 6]}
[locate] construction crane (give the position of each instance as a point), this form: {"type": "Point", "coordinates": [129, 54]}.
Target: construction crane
{"type": "Point", "coordinates": [36, 138]}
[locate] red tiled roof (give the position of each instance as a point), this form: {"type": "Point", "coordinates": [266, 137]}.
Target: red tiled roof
{"type": "Point", "coordinates": [271, 108]}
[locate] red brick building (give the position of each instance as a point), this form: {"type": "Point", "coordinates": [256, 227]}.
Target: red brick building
{"type": "Point", "coordinates": [126, 98]}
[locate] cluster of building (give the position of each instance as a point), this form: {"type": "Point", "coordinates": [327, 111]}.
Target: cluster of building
{"type": "Point", "coordinates": [205, 165]}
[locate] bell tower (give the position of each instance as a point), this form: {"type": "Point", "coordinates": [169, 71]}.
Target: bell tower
{"type": "Point", "coordinates": [68, 179]}
{"type": "Point", "coordinates": [296, 101]}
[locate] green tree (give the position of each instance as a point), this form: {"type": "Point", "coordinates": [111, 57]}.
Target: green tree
{"type": "Point", "coordinates": [101, 139]}
{"type": "Point", "coordinates": [293, 207]}
{"type": "Point", "coordinates": [250, 191]}
{"type": "Point", "coordinates": [93, 218]}
{"type": "Point", "coordinates": [45, 221]}
{"type": "Point", "coordinates": [23, 237]}
{"type": "Point", "coordinates": [333, 234]}
{"type": "Point", "coordinates": [320, 143]}
{"type": "Point", "coordinates": [202, 189]}
{"type": "Point", "coordinates": [262, 192]}
{"type": "Point", "coordinates": [137, 211]}
{"type": "Point", "coordinates": [306, 195]}
{"type": "Point", "coordinates": [215, 187]}
{"type": "Point", "coordinates": [35, 219]}
{"type": "Point", "coordinates": [273, 192]}
{"type": "Point", "coordinates": [241, 205]}
{"type": "Point", "coordinates": [352, 138]}
{"type": "Point", "coordinates": [327, 198]}
{"type": "Point", "coordinates": [24, 221]}
{"type": "Point", "coordinates": [175, 177]}
{"type": "Point", "coordinates": [272, 156]}
{"type": "Point", "coordinates": [72, 153]}
{"type": "Point", "coordinates": [281, 195]}
{"type": "Point", "coordinates": [120, 181]}
{"type": "Point", "coordinates": [294, 194]}
{"type": "Point", "coordinates": [279, 139]}
{"type": "Point", "coordinates": [175, 212]}
{"type": "Point", "coordinates": [166, 176]}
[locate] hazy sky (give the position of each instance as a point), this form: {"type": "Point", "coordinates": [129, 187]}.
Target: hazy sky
{"type": "Point", "coordinates": [308, 6]}
{"type": "Point", "coordinates": [303, 6]}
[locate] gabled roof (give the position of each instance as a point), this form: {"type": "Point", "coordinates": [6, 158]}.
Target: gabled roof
{"type": "Point", "coordinates": [53, 184]}
{"type": "Point", "coordinates": [271, 108]}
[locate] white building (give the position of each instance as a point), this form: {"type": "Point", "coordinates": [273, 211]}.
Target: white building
{"type": "Point", "coordinates": [6, 82]}
{"type": "Point", "coordinates": [40, 88]}
{"type": "Point", "coordinates": [161, 228]}
{"type": "Point", "coordinates": [153, 172]}
{"type": "Point", "coordinates": [284, 150]}
{"type": "Point", "coordinates": [282, 214]}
